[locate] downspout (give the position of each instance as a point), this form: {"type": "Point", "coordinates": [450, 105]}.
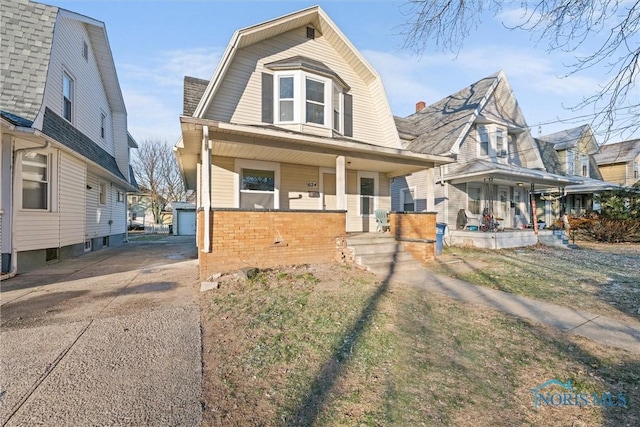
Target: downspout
{"type": "Point", "coordinates": [14, 253]}
{"type": "Point", "coordinates": [206, 180]}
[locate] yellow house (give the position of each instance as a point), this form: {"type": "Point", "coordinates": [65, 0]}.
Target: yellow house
{"type": "Point", "coordinates": [618, 163]}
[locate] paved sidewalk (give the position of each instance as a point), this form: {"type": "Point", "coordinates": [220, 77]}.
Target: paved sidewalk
{"type": "Point", "coordinates": [601, 329]}
{"type": "Point", "coordinates": [109, 338]}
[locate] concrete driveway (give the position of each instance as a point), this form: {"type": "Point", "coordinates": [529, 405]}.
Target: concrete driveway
{"type": "Point", "coordinates": [108, 338]}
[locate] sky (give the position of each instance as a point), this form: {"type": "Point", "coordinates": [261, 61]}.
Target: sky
{"type": "Point", "coordinates": [155, 43]}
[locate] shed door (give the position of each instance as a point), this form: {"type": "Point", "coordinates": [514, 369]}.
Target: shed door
{"type": "Point", "coordinates": [186, 223]}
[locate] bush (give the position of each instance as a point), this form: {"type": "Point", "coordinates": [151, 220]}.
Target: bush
{"type": "Point", "coordinates": [606, 229]}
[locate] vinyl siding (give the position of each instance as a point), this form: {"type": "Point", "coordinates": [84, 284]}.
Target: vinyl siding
{"type": "Point", "coordinates": [222, 180]}
{"type": "Point", "coordinates": [419, 181]}
{"type": "Point", "coordinates": [457, 200]}
{"type": "Point", "coordinates": [355, 222]}
{"type": "Point", "coordinates": [294, 193]}
{"type": "Point", "coordinates": [98, 216]}
{"type": "Point", "coordinates": [72, 200]}
{"type": "Point", "coordinates": [239, 98]}
{"type": "Point", "coordinates": [615, 174]}
{"type": "Point", "coordinates": [89, 96]}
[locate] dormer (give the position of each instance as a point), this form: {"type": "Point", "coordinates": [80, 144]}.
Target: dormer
{"type": "Point", "coordinates": [495, 140]}
{"type": "Point", "coordinates": [303, 94]}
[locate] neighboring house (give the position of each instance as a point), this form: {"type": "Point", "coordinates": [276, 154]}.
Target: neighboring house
{"type": "Point", "coordinates": [571, 152]}
{"type": "Point", "coordinates": [619, 163]}
{"type": "Point", "coordinates": [64, 159]}
{"type": "Point", "coordinates": [498, 165]}
{"type": "Point", "coordinates": [290, 145]}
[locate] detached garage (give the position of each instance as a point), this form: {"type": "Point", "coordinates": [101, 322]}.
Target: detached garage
{"type": "Point", "coordinates": [184, 218]}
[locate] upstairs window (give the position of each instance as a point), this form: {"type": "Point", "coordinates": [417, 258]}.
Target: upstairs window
{"type": "Point", "coordinates": [585, 165]}
{"type": "Point", "coordinates": [635, 170]}
{"type": "Point", "coordinates": [571, 159]}
{"type": "Point", "coordinates": [315, 104]}
{"type": "Point", "coordinates": [85, 50]}
{"type": "Point", "coordinates": [35, 181]}
{"type": "Point", "coordinates": [103, 125]}
{"type": "Point", "coordinates": [286, 99]}
{"type": "Point", "coordinates": [67, 96]}
{"type": "Point", "coordinates": [501, 150]}
{"type": "Point", "coordinates": [484, 141]}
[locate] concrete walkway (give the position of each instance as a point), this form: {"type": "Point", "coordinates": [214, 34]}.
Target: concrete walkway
{"type": "Point", "coordinates": [108, 338]}
{"type": "Point", "coordinates": [607, 331]}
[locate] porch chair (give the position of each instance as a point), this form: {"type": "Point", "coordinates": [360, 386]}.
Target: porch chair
{"type": "Point", "coordinates": [382, 221]}
{"type": "Point", "coordinates": [472, 219]}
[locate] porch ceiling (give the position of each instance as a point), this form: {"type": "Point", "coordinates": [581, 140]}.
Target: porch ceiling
{"type": "Point", "coordinates": [269, 144]}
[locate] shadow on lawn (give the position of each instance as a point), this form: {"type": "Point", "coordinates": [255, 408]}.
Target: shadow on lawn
{"type": "Point", "coordinates": [311, 406]}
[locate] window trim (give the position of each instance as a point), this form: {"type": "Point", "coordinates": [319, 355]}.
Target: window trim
{"type": "Point", "coordinates": [484, 131]}
{"type": "Point", "coordinates": [412, 191]}
{"type": "Point", "coordinates": [584, 161]}
{"type": "Point", "coordinates": [101, 185]}
{"type": "Point", "coordinates": [278, 99]}
{"type": "Point", "coordinates": [241, 164]}
{"type": "Point", "coordinates": [71, 99]}
{"type": "Point", "coordinates": [47, 181]}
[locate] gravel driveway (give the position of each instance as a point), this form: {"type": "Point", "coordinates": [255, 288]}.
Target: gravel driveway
{"type": "Point", "coordinates": [108, 338]}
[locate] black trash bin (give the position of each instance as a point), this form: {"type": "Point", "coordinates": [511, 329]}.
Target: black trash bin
{"type": "Point", "coordinates": [440, 229]}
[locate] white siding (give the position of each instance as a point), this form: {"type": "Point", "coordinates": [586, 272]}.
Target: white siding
{"type": "Point", "coordinates": [118, 211]}
{"type": "Point", "coordinates": [239, 97]}
{"type": "Point", "coordinates": [72, 200]}
{"type": "Point", "coordinates": [90, 99]}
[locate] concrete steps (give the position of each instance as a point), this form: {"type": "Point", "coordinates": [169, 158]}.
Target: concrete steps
{"type": "Point", "coordinates": [380, 253]}
{"type": "Point", "coordinates": [556, 238]}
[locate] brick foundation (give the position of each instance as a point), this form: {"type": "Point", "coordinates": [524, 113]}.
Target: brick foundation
{"type": "Point", "coordinates": [266, 239]}
{"type": "Point", "coordinates": [417, 232]}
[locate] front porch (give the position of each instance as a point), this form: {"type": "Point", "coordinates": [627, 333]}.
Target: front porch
{"type": "Point", "coordinates": [511, 238]}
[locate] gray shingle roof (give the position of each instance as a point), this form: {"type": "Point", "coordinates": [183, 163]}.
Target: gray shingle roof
{"type": "Point", "coordinates": [193, 90]}
{"type": "Point", "coordinates": [567, 138]}
{"type": "Point", "coordinates": [62, 131]}
{"type": "Point", "coordinates": [620, 152]}
{"type": "Point", "coordinates": [549, 156]}
{"type": "Point", "coordinates": [437, 127]}
{"type": "Point", "coordinates": [16, 120]}
{"type": "Point", "coordinates": [26, 33]}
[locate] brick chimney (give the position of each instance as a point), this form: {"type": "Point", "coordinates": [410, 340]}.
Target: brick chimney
{"type": "Point", "coordinates": [420, 106]}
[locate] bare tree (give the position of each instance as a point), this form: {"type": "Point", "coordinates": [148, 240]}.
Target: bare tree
{"type": "Point", "coordinates": [157, 173]}
{"type": "Point", "coordinates": [565, 25]}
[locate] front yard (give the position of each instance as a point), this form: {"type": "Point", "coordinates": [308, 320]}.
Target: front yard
{"type": "Point", "coordinates": [330, 345]}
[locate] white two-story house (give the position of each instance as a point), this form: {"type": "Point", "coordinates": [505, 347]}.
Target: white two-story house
{"type": "Point", "coordinates": [64, 158]}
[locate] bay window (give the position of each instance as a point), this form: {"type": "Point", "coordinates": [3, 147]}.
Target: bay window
{"type": "Point", "coordinates": [315, 104]}
{"type": "Point", "coordinates": [286, 98]}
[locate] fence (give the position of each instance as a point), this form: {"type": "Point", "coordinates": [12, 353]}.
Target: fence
{"type": "Point", "coordinates": [157, 228]}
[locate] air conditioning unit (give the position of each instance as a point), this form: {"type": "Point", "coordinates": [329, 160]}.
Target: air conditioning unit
{"type": "Point", "coordinates": [502, 153]}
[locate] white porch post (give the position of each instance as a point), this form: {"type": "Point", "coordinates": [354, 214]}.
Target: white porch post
{"type": "Point", "coordinates": [341, 184]}
{"type": "Point", "coordinates": [206, 188]}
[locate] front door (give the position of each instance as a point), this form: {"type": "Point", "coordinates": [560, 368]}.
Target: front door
{"type": "Point", "coordinates": [329, 191]}
{"type": "Point", "coordinates": [518, 208]}
{"type": "Point", "coordinates": [504, 207]}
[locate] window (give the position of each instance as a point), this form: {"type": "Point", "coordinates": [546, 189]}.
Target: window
{"type": "Point", "coordinates": [85, 50]}
{"type": "Point", "coordinates": [314, 101]}
{"type": "Point", "coordinates": [473, 199]}
{"type": "Point", "coordinates": [635, 170]}
{"type": "Point", "coordinates": [337, 122]}
{"type": "Point", "coordinates": [35, 181]}
{"type": "Point", "coordinates": [286, 99]}
{"type": "Point", "coordinates": [67, 97]}
{"type": "Point", "coordinates": [571, 158]}
{"type": "Point", "coordinates": [500, 146]}
{"type": "Point", "coordinates": [87, 245]}
{"type": "Point", "coordinates": [257, 189]}
{"type": "Point", "coordinates": [103, 194]}
{"type": "Point", "coordinates": [103, 125]}
{"type": "Point", "coordinates": [120, 197]}
{"type": "Point", "coordinates": [407, 199]}
{"type": "Point", "coordinates": [484, 141]}
{"type": "Point", "coordinates": [585, 165]}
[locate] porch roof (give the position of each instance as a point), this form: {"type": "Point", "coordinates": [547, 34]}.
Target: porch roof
{"type": "Point", "coordinates": [589, 185]}
{"type": "Point", "coordinates": [478, 170]}
{"type": "Point", "coordinates": [271, 143]}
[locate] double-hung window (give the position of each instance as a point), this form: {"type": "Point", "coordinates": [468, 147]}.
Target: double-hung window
{"type": "Point", "coordinates": [484, 141]}
{"type": "Point", "coordinates": [35, 181]}
{"type": "Point", "coordinates": [67, 97]}
{"type": "Point", "coordinates": [585, 165]}
{"type": "Point", "coordinates": [635, 170]}
{"type": "Point", "coordinates": [257, 189]}
{"type": "Point", "coordinates": [571, 159]}
{"type": "Point", "coordinates": [286, 98]}
{"type": "Point", "coordinates": [500, 146]}
{"type": "Point", "coordinates": [315, 105]}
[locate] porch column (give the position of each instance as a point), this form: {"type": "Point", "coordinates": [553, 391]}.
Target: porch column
{"type": "Point", "coordinates": [341, 184]}
{"type": "Point", "coordinates": [206, 188]}
{"type": "Point", "coordinates": [430, 194]}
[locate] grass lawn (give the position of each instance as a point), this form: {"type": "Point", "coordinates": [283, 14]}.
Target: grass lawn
{"type": "Point", "coordinates": [329, 345]}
